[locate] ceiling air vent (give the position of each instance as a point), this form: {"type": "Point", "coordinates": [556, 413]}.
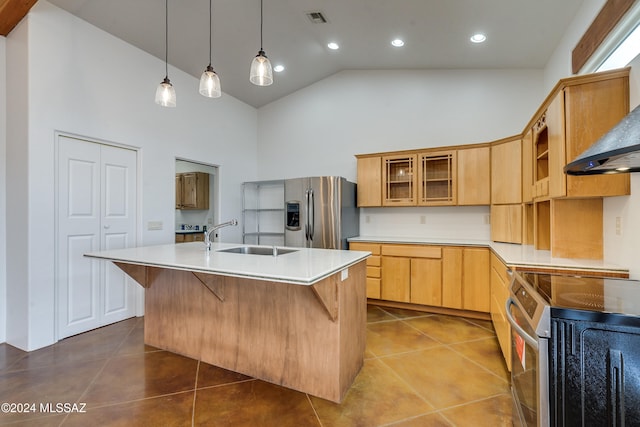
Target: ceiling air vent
{"type": "Point", "coordinates": [316, 17]}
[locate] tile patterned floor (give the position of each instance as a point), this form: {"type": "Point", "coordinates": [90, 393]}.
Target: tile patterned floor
{"type": "Point", "coordinates": [420, 370]}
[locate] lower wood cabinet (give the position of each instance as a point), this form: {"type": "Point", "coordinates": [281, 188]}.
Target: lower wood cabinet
{"type": "Point", "coordinates": [373, 266]}
{"type": "Point", "coordinates": [438, 276]}
{"type": "Point", "coordinates": [465, 278]}
{"type": "Point", "coordinates": [411, 273]}
{"type": "Point", "coordinates": [499, 293]}
{"type": "Point", "coordinates": [189, 237]}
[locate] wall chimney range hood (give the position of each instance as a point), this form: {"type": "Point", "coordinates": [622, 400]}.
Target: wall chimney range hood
{"type": "Point", "coordinates": [618, 151]}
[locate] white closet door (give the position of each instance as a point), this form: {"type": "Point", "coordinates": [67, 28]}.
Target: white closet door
{"type": "Point", "coordinates": [96, 210]}
{"type": "Point", "coordinates": [118, 197]}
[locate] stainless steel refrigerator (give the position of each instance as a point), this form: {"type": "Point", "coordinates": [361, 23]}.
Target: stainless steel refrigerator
{"type": "Point", "coordinates": [320, 212]}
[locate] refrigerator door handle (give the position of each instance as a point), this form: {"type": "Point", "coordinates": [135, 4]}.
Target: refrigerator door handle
{"type": "Point", "coordinates": [306, 224]}
{"type": "Point", "coordinates": [311, 216]}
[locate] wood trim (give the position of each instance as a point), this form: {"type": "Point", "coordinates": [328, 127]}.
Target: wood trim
{"type": "Point", "coordinates": [136, 272]}
{"type": "Point", "coordinates": [326, 292]}
{"type": "Point", "coordinates": [572, 272]}
{"type": "Point", "coordinates": [212, 282]}
{"type": "Point", "coordinates": [12, 12]}
{"type": "Point", "coordinates": [606, 20]}
{"type": "Point", "coordinates": [430, 309]}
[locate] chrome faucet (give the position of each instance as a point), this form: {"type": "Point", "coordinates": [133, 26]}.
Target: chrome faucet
{"type": "Point", "coordinates": [207, 234]}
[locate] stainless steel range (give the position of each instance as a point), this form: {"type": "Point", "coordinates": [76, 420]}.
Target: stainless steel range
{"type": "Point", "coordinates": [575, 350]}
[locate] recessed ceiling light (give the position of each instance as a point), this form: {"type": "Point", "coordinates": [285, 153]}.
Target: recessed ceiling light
{"type": "Point", "coordinates": [397, 43]}
{"type": "Point", "coordinates": [278, 68]}
{"type": "Point", "coordinates": [478, 38]}
{"type": "Point", "coordinates": [333, 46]}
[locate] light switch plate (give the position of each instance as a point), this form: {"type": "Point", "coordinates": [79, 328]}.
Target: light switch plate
{"type": "Point", "coordinates": [154, 225]}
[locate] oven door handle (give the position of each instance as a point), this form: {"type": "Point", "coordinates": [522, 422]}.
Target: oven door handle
{"type": "Point", "coordinates": [528, 338]}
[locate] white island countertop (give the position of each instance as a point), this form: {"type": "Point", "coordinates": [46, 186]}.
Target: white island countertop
{"type": "Point", "coordinates": [303, 267]}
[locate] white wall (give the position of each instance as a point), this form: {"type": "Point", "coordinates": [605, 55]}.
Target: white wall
{"type": "Point", "coordinates": [96, 85]}
{"type": "Point", "coordinates": [559, 65]}
{"type": "Point", "coordinates": [319, 129]}
{"type": "Point", "coordinates": [3, 188]}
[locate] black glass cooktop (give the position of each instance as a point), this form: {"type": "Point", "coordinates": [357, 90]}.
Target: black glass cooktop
{"type": "Point", "coordinates": [590, 294]}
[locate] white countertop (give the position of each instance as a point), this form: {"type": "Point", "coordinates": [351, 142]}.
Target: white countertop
{"type": "Point", "coordinates": [512, 254]}
{"type": "Point", "coordinates": [303, 267]}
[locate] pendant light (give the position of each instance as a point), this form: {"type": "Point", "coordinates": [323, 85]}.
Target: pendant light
{"type": "Point", "coordinates": [209, 81]}
{"type": "Point", "coordinates": [261, 73]}
{"type": "Point", "coordinates": [166, 94]}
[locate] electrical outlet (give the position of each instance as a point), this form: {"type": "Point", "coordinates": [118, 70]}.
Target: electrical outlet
{"type": "Point", "coordinates": [154, 225]}
{"type": "Point", "coordinates": [344, 274]}
{"type": "Point", "coordinates": [423, 219]}
{"type": "Point", "coordinates": [367, 219]}
{"type": "Point", "coordinates": [487, 219]}
{"type": "Point", "coordinates": [618, 226]}
{"type": "Point", "coordinates": [210, 221]}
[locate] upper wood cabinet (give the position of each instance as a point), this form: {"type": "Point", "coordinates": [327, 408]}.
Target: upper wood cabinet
{"type": "Point", "coordinates": [506, 171]}
{"type": "Point", "coordinates": [474, 177]}
{"type": "Point", "coordinates": [192, 190]}
{"type": "Point", "coordinates": [578, 112]}
{"type": "Point", "coordinates": [369, 181]}
{"type": "Point", "coordinates": [399, 180]}
{"type": "Point", "coordinates": [437, 178]}
{"type": "Point", "coordinates": [457, 176]}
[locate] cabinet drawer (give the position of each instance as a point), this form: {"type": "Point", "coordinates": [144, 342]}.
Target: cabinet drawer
{"type": "Point", "coordinates": [373, 272]}
{"type": "Point", "coordinates": [373, 288]}
{"type": "Point", "coordinates": [501, 270]}
{"type": "Point", "coordinates": [374, 248]}
{"type": "Point", "coordinates": [503, 331]}
{"type": "Point", "coordinates": [412, 251]}
{"type": "Point", "coordinates": [373, 261]}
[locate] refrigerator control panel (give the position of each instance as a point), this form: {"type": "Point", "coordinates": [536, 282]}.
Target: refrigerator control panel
{"type": "Point", "coordinates": [293, 215]}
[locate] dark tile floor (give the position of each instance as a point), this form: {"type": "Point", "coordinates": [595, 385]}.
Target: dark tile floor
{"type": "Point", "coordinates": [419, 370]}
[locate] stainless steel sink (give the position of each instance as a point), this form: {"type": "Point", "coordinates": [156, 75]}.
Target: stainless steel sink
{"type": "Point", "coordinates": [258, 250]}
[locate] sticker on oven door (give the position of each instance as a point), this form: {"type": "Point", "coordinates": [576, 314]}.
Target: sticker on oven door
{"type": "Point", "coordinates": [520, 350]}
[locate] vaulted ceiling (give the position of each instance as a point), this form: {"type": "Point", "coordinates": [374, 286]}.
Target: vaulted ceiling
{"type": "Point", "coordinates": [520, 34]}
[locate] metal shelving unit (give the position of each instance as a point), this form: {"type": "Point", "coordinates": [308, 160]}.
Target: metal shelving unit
{"type": "Point", "coordinates": [263, 212]}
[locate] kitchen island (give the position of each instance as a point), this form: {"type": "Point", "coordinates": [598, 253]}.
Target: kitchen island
{"type": "Point", "coordinates": [296, 319]}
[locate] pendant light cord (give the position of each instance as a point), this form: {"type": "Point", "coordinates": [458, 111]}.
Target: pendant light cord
{"type": "Point", "coordinates": [166, 39]}
{"type": "Point", "coordinates": [261, 25]}
{"type": "Point", "coordinates": [210, 24]}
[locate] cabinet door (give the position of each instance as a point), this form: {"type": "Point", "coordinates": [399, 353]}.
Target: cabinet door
{"type": "Point", "coordinates": [396, 279]}
{"type": "Point", "coordinates": [499, 294]}
{"type": "Point", "coordinates": [437, 178]}
{"type": "Point", "coordinates": [527, 167]}
{"type": "Point", "coordinates": [369, 181]}
{"type": "Point", "coordinates": [476, 287]}
{"type": "Point", "coordinates": [506, 223]}
{"type": "Point", "coordinates": [506, 172]}
{"type": "Point", "coordinates": [426, 281]}
{"type": "Point", "coordinates": [178, 191]}
{"type": "Point", "coordinates": [600, 104]}
{"type": "Point", "coordinates": [452, 277]}
{"type": "Point", "coordinates": [474, 178]}
{"type": "Point", "coordinates": [189, 190]}
{"type": "Point", "coordinates": [557, 157]}
{"type": "Point", "coordinates": [399, 180]}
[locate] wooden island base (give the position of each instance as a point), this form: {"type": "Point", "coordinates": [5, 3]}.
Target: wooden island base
{"type": "Point", "coordinates": [307, 338]}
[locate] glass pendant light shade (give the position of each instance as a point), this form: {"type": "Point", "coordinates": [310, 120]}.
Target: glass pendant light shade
{"type": "Point", "coordinates": [261, 73]}
{"type": "Point", "coordinates": [210, 83]}
{"type": "Point", "coordinates": [166, 94]}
